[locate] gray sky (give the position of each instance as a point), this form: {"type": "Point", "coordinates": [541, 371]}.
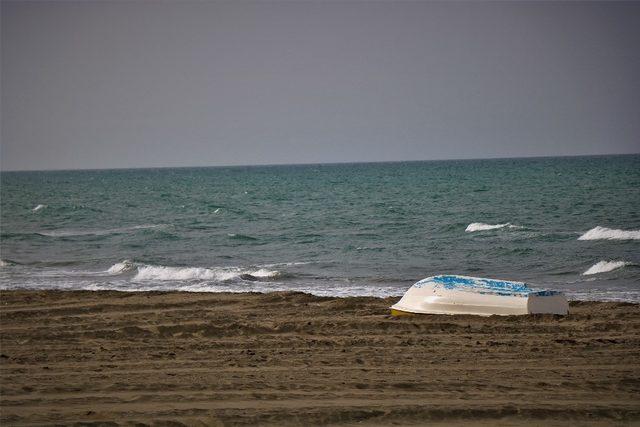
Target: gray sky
{"type": "Point", "coordinates": [98, 84]}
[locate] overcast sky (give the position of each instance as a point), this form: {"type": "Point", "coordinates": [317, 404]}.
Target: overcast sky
{"type": "Point", "coordinates": [100, 84]}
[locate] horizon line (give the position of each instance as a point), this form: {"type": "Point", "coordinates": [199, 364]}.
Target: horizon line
{"type": "Point", "coordinates": [317, 163]}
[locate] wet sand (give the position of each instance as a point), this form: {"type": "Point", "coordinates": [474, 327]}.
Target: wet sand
{"type": "Point", "coordinates": [296, 359]}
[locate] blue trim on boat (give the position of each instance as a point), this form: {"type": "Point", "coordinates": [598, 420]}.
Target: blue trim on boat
{"type": "Point", "coordinates": [484, 286]}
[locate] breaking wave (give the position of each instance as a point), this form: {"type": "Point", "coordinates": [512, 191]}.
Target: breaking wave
{"type": "Point", "coordinates": [161, 273]}
{"type": "Point", "coordinates": [39, 208]}
{"type": "Point", "coordinates": [480, 226]}
{"type": "Point", "coordinates": [146, 272]}
{"type": "Point", "coordinates": [605, 266]}
{"type": "Point", "coordinates": [603, 233]}
{"type": "Point", "coordinates": [121, 267]}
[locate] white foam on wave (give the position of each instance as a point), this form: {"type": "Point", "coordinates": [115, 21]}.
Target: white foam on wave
{"type": "Point", "coordinates": [263, 272]}
{"type": "Point", "coordinates": [39, 208]}
{"type": "Point", "coordinates": [481, 226]}
{"type": "Point", "coordinates": [605, 266]}
{"type": "Point", "coordinates": [145, 272]}
{"type": "Point", "coordinates": [121, 267]}
{"type": "Point", "coordinates": [603, 233]}
{"type": "Point", "coordinates": [162, 273]}
{"type": "Point", "coordinates": [287, 264]}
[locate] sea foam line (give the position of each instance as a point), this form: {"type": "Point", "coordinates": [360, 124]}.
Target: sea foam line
{"type": "Point", "coordinates": [481, 226]}
{"type": "Point", "coordinates": [605, 266]}
{"type": "Point", "coordinates": [604, 233]}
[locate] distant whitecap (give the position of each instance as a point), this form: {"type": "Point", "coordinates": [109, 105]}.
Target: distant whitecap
{"type": "Point", "coordinates": [39, 208]}
{"type": "Point", "coordinates": [603, 233]}
{"type": "Point", "coordinates": [237, 236]}
{"type": "Point", "coordinates": [480, 226]}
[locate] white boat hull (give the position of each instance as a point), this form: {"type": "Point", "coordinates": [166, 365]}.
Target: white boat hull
{"type": "Point", "coordinates": [483, 297]}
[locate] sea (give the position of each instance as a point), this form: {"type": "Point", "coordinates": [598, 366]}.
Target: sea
{"type": "Point", "coordinates": [570, 224]}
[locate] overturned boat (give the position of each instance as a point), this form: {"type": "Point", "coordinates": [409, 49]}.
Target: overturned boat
{"type": "Point", "coordinates": [449, 294]}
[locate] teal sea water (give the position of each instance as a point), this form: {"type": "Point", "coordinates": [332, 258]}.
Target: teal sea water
{"type": "Point", "coordinates": [568, 224]}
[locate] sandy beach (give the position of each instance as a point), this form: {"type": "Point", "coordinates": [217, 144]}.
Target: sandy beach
{"type": "Point", "coordinates": [294, 359]}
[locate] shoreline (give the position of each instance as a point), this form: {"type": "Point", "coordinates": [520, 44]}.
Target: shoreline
{"type": "Point", "coordinates": [293, 358]}
{"type": "Point", "coordinates": [392, 298]}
